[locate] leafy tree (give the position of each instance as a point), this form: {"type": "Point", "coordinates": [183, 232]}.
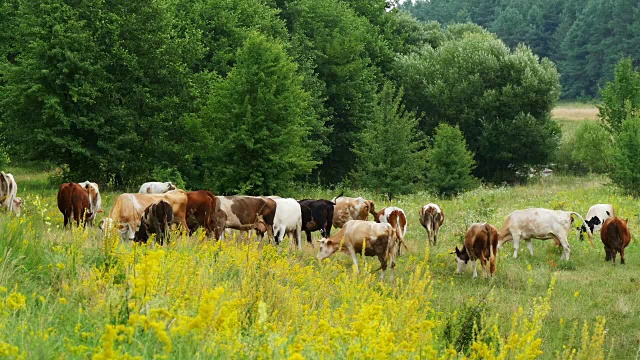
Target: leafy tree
{"type": "Point", "coordinates": [621, 97]}
{"type": "Point", "coordinates": [259, 119]}
{"type": "Point", "coordinates": [627, 156]}
{"type": "Point", "coordinates": [588, 150]}
{"type": "Point", "coordinates": [449, 163]}
{"type": "Point", "coordinates": [391, 155]}
{"type": "Point", "coordinates": [447, 85]}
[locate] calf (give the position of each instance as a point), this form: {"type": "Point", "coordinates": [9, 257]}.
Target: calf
{"type": "Point", "coordinates": [95, 201]}
{"type": "Point", "coordinates": [615, 236]}
{"type": "Point", "coordinates": [596, 216]}
{"type": "Point", "coordinates": [156, 219]}
{"type": "Point", "coordinates": [348, 208]}
{"type": "Point", "coordinates": [128, 210]}
{"type": "Point", "coordinates": [538, 223]}
{"type": "Point", "coordinates": [246, 213]}
{"type": "Point", "coordinates": [155, 187]}
{"type": "Point", "coordinates": [395, 217]}
{"type": "Point", "coordinates": [287, 219]}
{"type": "Point", "coordinates": [480, 242]}
{"type": "Point", "coordinates": [73, 201]}
{"type": "Point", "coordinates": [317, 215]}
{"type": "Point", "coordinates": [377, 240]}
{"type": "Point", "coordinates": [431, 218]}
{"type": "Point", "coordinates": [202, 206]}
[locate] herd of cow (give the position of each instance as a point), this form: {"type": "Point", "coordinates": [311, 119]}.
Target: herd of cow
{"type": "Point", "coordinates": [158, 205]}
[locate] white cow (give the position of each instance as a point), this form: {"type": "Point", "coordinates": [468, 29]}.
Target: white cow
{"type": "Point", "coordinates": [8, 192]}
{"type": "Point", "coordinates": [596, 216]}
{"type": "Point", "coordinates": [95, 200]}
{"type": "Point", "coordinates": [287, 220]}
{"type": "Point", "coordinates": [155, 187]}
{"type": "Point", "coordinates": [538, 223]}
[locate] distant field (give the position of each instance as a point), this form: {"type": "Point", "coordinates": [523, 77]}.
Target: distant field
{"type": "Point", "coordinates": [78, 295]}
{"type": "Point", "coordinates": [574, 111]}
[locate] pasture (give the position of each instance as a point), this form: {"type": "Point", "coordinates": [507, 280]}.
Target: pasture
{"type": "Point", "coordinates": [75, 294]}
{"type": "Point", "coordinates": [570, 114]}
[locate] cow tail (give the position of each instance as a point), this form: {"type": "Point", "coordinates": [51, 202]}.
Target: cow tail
{"type": "Point", "coordinates": [489, 245]}
{"type": "Point", "coordinates": [398, 239]}
{"type": "Point", "coordinates": [614, 236]}
{"type": "Point", "coordinates": [589, 232]}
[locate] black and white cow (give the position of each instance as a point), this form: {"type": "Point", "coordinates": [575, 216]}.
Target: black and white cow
{"type": "Point", "coordinates": [596, 217]}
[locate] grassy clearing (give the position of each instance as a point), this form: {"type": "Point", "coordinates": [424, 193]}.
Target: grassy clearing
{"type": "Point", "coordinates": [78, 295]}
{"type": "Point", "coordinates": [574, 111]}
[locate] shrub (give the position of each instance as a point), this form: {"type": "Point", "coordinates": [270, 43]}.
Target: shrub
{"type": "Point", "coordinates": [621, 97]}
{"type": "Point", "coordinates": [627, 156]}
{"type": "Point", "coordinates": [449, 162]}
{"type": "Point", "coordinates": [588, 150]}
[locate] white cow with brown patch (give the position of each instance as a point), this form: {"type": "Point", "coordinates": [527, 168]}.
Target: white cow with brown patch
{"type": "Point", "coordinates": [348, 208]}
{"type": "Point", "coordinates": [377, 239]}
{"type": "Point", "coordinates": [395, 217]}
{"type": "Point", "coordinates": [431, 218]}
{"type": "Point", "coordinates": [539, 223]}
{"type": "Point", "coordinates": [8, 194]}
{"type": "Point", "coordinates": [95, 200]}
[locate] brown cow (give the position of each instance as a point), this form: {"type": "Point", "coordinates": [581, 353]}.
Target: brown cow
{"type": "Point", "coordinates": [202, 206]}
{"type": "Point", "coordinates": [378, 240]}
{"type": "Point", "coordinates": [431, 218]}
{"type": "Point", "coordinates": [615, 236]}
{"type": "Point", "coordinates": [394, 216]}
{"type": "Point", "coordinates": [246, 213]}
{"type": "Point", "coordinates": [128, 209]}
{"type": "Point", "coordinates": [348, 208]}
{"type": "Point", "coordinates": [73, 200]}
{"type": "Point", "coordinates": [480, 242]}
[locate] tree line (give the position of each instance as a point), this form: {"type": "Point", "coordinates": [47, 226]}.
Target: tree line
{"type": "Point", "coordinates": [252, 96]}
{"type": "Point", "coordinates": [584, 38]}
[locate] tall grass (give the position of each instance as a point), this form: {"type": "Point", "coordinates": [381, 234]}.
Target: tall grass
{"type": "Point", "coordinates": [76, 294]}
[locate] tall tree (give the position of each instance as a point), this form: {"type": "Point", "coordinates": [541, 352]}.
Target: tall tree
{"type": "Point", "coordinates": [259, 119]}
{"type": "Point", "coordinates": [391, 155]}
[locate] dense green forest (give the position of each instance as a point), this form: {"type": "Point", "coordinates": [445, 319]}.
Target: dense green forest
{"type": "Point", "coordinates": [252, 96]}
{"type": "Point", "coordinates": [584, 38]}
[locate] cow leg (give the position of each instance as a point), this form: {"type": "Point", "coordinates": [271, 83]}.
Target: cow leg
{"type": "Point", "coordinates": [516, 245]}
{"type": "Point", "coordinates": [352, 252]}
{"type": "Point", "coordinates": [530, 246]}
{"type": "Point", "coordinates": [298, 236]}
{"type": "Point", "coordinates": [436, 230]}
{"type": "Point", "coordinates": [565, 246]}
{"type": "Point", "coordinates": [383, 265]}
{"type": "Point", "coordinates": [622, 256]}
{"type": "Point", "coordinates": [474, 263]}
{"type": "Point", "coordinates": [607, 254]}
{"type": "Point", "coordinates": [613, 256]}
{"type": "Point", "coordinates": [309, 237]}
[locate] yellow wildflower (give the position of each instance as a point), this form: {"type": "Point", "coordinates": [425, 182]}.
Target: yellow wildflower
{"type": "Point", "coordinates": [16, 301]}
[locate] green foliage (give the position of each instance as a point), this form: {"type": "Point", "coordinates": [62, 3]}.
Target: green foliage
{"type": "Point", "coordinates": [449, 163]}
{"type": "Point", "coordinates": [627, 156]}
{"type": "Point", "coordinates": [620, 98]}
{"type": "Point", "coordinates": [168, 174]}
{"type": "Point", "coordinates": [588, 150]}
{"type": "Point", "coordinates": [259, 120]}
{"type": "Point", "coordinates": [391, 156]}
{"type": "Point", "coordinates": [445, 84]}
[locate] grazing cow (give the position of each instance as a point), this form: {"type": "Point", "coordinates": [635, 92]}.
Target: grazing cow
{"type": "Point", "coordinates": [288, 219]}
{"type": "Point", "coordinates": [394, 216]}
{"type": "Point", "coordinates": [129, 208]}
{"type": "Point", "coordinates": [246, 213]}
{"type": "Point", "coordinates": [348, 208]}
{"type": "Point", "coordinates": [538, 223]}
{"type": "Point", "coordinates": [73, 201]}
{"type": "Point", "coordinates": [95, 201]}
{"type": "Point", "coordinates": [8, 192]}
{"type": "Point", "coordinates": [615, 236]}
{"type": "Point", "coordinates": [378, 240]}
{"type": "Point", "coordinates": [480, 242]}
{"type": "Point", "coordinates": [596, 216]}
{"type": "Point", "coordinates": [155, 187]}
{"type": "Point", "coordinates": [202, 206]}
{"type": "Point", "coordinates": [156, 219]}
{"type": "Point", "coordinates": [431, 218]}
{"type": "Point", "coordinates": [317, 215]}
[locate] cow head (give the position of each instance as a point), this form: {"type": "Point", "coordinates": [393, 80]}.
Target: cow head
{"type": "Point", "coordinates": [462, 258]}
{"type": "Point", "coordinates": [170, 186]}
{"type": "Point", "coordinates": [17, 205]}
{"type": "Point", "coordinates": [327, 248]}
{"type": "Point", "coordinates": [106, 224]}
{"type": "Point", "coordinates": [372, 208]}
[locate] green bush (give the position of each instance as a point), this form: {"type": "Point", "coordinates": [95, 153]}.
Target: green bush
{"type": "Point", "coordinates": [627, 156]}
{"type": "Point", "coordinates": [449, 163]}
{"type": "Point", "coordinates": [588, 150]}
